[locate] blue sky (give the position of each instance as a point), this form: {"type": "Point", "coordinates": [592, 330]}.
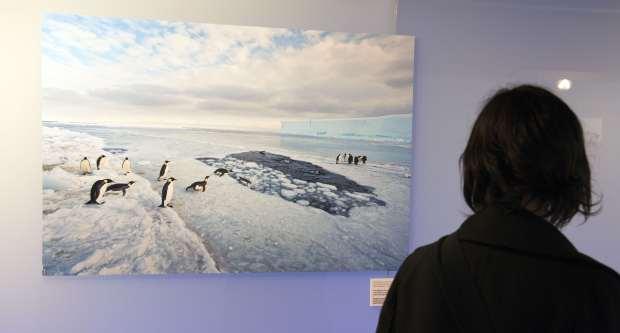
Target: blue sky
{"type": "Point", "coordinates": [116, 70]}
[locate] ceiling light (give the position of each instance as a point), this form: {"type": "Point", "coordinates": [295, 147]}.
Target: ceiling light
{"type": "Point", "coordinates": [564, 84]}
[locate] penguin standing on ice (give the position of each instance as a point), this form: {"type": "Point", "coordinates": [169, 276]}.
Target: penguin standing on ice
{"type": "Point", "coordinates": [350, 159]}
{"type": "Point", "coordinates": [98, 190]}
{"type": "Point", "coordinates": [198, 186]}
{"type": "Point", "coordinates": [126, 165]}
{"type": "Point", "coordinates": [101, 162]}
{"type": "Point", "coordinates": [85, 166]}
{"type": "Point", "coordinates": [337, 158]}
{"type": "Point", "coordinates": [166, 193]}
{"type": "Point", "coordinates": [120, 187]}
{"type": "Point", "coordinates": [163, 171]}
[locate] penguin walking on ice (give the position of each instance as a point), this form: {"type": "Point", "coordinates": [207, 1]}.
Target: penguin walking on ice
{"type": "Point", "coordinates": [85, 166]}
{"type": "Point", "coordinates": [126, 165]}
{"type": "Point", "coordinates": [120, 187]}
{"type": "Point", "coordinates": [163, 171]}
{"type": "Point", "coordinates": [98, 190]}
{"type": "Point", "coordinates": [244, 181]}
{"type": "Point", "coordinates": [198, 186]}
{"type": "Point", "coordinates": [166, 193]}
{"type": "Point", "coordinates": [101, 162]}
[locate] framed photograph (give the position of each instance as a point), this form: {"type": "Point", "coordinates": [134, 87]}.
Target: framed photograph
{"type": "Point", "coordinates": [176, 147]}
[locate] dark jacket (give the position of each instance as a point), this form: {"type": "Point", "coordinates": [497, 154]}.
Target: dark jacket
{"type": "Point", "coordinates": [525, 274]}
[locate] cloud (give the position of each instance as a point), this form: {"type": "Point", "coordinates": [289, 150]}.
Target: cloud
{"type": "Point", "coordinates": [231, 92]}
{"type": "Point", "coordinates": [236, 107]}
{"type": "Point", "coordinates": [143, 96]}
{"type": "Point", "coordinates": [399, 82]}
{"type": "Point", "coordinates": [199, 71]}
{"type": "Point", "coordinates": [63, 96]}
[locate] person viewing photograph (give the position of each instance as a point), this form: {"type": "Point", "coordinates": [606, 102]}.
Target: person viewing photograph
{"type": "Point", "coordinates": [508, 267]}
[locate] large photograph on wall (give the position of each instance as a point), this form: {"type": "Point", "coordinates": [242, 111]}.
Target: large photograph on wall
{"type": "Point", "coordinates": [174, 147]}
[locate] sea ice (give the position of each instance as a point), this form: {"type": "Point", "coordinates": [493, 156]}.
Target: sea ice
{"type": "Point", "coordinates": [228, 228]}
{"type": "Point", "coordinates": [127, 235]}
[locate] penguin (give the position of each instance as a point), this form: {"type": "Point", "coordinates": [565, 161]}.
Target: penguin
{"type": "Point", "coordinates": [198, 186]}
{"type": "Point", "coordinates": [163, 171]}
{"type": "Point", "coordinates": [85, 166]}
{"type": "Point", "coordinates": [166, 193]}
{"type": "Point", "coordinates": [120, 187]}
{"type": "Point", "coordinates": [98, 190]}
{"type": "Point", "coordinates": [244, 181]}
{"type": "Point", "coordinates": [350, 160]}
{"type": "Point", "coordinates": [101, 161]}
{"type": "Point", "coordinates": [356, 160]}
{"type": "Point", "coordinates": [337, 158]}
{"type": "Point", "coordinates": [220, 172]}
{"type": "Point", "coordinates": [364, 158]}
{"type": "Point", "coordinates": [126, 165]}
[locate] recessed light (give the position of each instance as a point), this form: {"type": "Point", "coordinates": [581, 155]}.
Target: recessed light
{"type": "Point", "coordinates": [564, 84]}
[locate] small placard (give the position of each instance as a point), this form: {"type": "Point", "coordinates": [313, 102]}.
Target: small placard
{"type": "Point", "coordinates": [378, 290]}
{"type": "Point", "coordinates": [593, 129]}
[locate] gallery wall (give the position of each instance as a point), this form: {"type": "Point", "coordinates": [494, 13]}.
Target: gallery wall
{"type": "Point", "coordinates": [467, 49]}
{"type": "Point", "coordinates": [291, 302]}
{"type": "Point", "coordinates": [464, 50]}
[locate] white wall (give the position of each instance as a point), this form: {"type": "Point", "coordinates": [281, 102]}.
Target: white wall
{"type": "Point", "coordinates": [467, 49]}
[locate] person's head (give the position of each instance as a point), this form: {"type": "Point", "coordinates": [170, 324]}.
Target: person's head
{"type": "Point", "coordinates": [526, 151]}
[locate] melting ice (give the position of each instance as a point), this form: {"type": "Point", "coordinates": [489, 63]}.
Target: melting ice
{"type": "Point", "coordinates": [345, 217]}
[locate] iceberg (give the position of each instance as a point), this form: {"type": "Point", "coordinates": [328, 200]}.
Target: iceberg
{"type": "Point", "coordinates": [394, 128]}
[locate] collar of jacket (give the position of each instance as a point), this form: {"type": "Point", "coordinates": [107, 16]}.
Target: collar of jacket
{"type": "Point", "coordinates": [517, 230]}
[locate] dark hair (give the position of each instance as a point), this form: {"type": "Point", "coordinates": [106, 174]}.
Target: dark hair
{"type": "Point", "coordinates": [526, 151]}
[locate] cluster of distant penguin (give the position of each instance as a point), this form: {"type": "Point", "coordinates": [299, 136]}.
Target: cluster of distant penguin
{"type": "Point", "coordinates": [102, 186]}
{"type": "Point", "coordinates": [350, 159]}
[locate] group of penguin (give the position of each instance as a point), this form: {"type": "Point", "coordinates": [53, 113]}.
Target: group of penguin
{"type": "Point", "coordinates": [100, 187]}
{"type": "Point", "coordinates": [349, 158]}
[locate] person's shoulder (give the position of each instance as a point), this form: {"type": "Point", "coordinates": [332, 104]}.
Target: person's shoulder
{"type": "Point", "coordinates": [422, 258]}
{"type": "Point", "coordinates": [601, 274]}
{"type": "Point", "coordinates": [599, 303]}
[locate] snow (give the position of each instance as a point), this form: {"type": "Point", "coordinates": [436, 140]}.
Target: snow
{"type": "Point", "coordinates": [288, 185]}
{"type": "Point", "coordinates": [61, 147]}
{"type": "Point", "coordinates": [396, 128]}
{"type": "Point", "coordinates": [266, 226]}
{"type": "Point", "coordinates": [126, 235]}
{"type": "Point", "coordinates": [326, 187]}
{"type": "Point", "coordinates": [288, 194]}
{"type": "Point", "coordinates": [250, 231]}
